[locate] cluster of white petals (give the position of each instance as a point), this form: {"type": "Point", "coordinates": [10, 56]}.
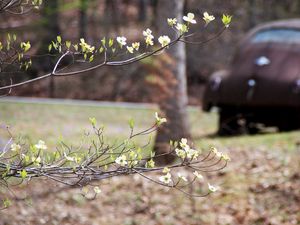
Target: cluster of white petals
{"type": "Point", "coordinates": [15, 147]}
{"type": "Point", "coordinates": [148, 36]}
{"type": "Point", "coordinates": [181, 177]}
{"type": "Point", "coordinates": [172, 22]}
{"type": "Point", "coordinates": [212, 188]}
{"type": "Point", "coordinates": [198, 175]}
{"type": "Point", "coordinates": [41, 145]}
{"type": "Point", "coordinates": [190, 18]}
{"type": "Point", "coordinates": [185, 151]}
{"type": "Point", "coordinates": [208, 18]}
{"type": "Point", "coordinates": [164, 40]}
{"type": "Point", "coordinates": [159, 120]}
{"type": "Point", "coordinates": [166, 179]}
{"type": "Point", "coordinates": [220, 154]}
{"type": "Point", "coordinates": [121, 160]}
{"type": "Point", "coordinates": [121, 40]}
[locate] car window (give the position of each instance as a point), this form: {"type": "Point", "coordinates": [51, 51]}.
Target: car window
{"type": "Point", "coordinates": [277, 35]}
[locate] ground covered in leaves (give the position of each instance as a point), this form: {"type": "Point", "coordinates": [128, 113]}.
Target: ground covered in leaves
{"type": "Point", "coordinates": [261, 184]}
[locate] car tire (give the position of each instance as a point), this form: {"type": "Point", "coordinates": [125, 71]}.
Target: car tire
{"type": "Point", "coordinates": [229, 123]}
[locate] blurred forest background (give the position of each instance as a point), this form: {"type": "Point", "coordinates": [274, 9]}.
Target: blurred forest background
{"type": "Point", "coordinates": [94, 19]}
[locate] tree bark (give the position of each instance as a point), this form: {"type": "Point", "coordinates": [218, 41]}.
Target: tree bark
{"type": "Point", "coordinates": [142, 10]}
{"type": "Point", "coordinates": [252, 13]}
{"type": "Point", "coordinates": [50, 27]}
{"type": "Point", "coordinates": [174, 105]}
{"type": "Point", "coordinates": [52, 23]}
{"type": "Point", "coordinates": [83, 20]}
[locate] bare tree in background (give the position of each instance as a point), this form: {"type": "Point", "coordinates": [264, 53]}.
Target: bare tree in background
{"type": "Point", "coordinates": [174, 105]}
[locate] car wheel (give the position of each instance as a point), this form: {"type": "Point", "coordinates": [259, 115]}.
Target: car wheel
{"type": "Point", "coordinates": [252, 128]}
{"type": "Point", "coordinates": [229, 123]}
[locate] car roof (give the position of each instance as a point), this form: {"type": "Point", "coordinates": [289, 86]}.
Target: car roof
{"type": "Point", "coordinates": [289, 23]}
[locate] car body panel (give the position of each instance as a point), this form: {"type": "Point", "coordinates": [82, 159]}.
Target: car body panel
{"type": "Point", "coordinates": [262, 74]}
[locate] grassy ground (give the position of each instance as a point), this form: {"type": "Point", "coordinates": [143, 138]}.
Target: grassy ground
{"type": "Point", "coordinates": [261, 185]}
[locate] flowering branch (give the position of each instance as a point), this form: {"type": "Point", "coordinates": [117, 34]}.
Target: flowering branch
{"type": "Point", "coordinates": [84, 52]}
{"type": "Point", "coordinates": [99, 161]}
{"type": "Point", "coordinates": [19, 6]}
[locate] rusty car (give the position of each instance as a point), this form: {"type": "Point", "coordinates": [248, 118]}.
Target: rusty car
{"type": "Point", "coordinates": [261, 88]}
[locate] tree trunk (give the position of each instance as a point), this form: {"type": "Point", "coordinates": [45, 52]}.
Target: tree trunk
{"type": "Point", "coordinates": [252, 13]}
{"type": "Point", "coordinates": [50, 27]}
{"type": "Point", "coordinates": [52, 24]}
{"type": "Point", "coordinates": [142, 10]}
{"type": "Point", "coordinates": [83, 20]}
{"type": "Point", "coordinates": [174, 105]}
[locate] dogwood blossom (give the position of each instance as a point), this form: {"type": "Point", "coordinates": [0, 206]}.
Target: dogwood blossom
{"type": "Point", "coordinates": [198, 175]}
{"type": "Point", "coordinates": [129, 49]}
{"type": "Point", "coordinates": [164, 40]}
{"type": "Point", "coordinates": [212, 188]}
{"type": "Point", "coordinates": [190, 18]}
{"type": "Point", "coordinates": [15, 147]}
{"type": "Point", "coordinates": [121, 160]}
{"type": "Point", "coordinates": [149, 40]}
{"type": "Point", "coordinates": [225, 157]}
{"type": "Point", "coordinates": [172, 22]}
{"type": "Point", "coordinates": [121, 40]}
{"type": "Point", "coordinates": [166, 179]}
{"type": "Point", "coordinates": [69, 158]}
{"type": "Point", "coordinates": [159, 120]}
{"type": "Point", "coordinates": [166, 170]}
{"type": "Point", "coordinates": [182, 28]}
{"type": "Point", "coordinates": [148, 36]}
{"type": "Point", "coordinates": [150, 164]}
{"type": "Point", "coordinates": [36, 160]}
{"type": "Point", "coordinates": [220, 154]}
{"type": "Point", "coordinates": [186, 151]}
{"type": "Point", "coordinates": [41, 145]}
{"type": "Point", "coordinates": [191, 153]}
{"type": "Point", "coordinates": [148, 33]}
{"type": "Point", "coordinates": [181, 177]}
{"type": "Point", "coordinates": [85, 47]}
{"type": "Point", "coordinates": [97, 190]}
{"type": "Point", "coordinates": [208, 18]}
{"type": "Point", "coordinates": [183, 143]}
{"type": "Point", "coordinates": [180, 153]}
{"type": "Point", "coordinates": [136, 45]}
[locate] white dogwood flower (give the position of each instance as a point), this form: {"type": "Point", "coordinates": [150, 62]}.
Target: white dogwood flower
{"type": "Point", "coordinates": [130, 49]}
{"type": "Point", "coordinates": [180, 153]}
{"type": "Point", "coordinates": [121, 160]}
{"type": "Point", "coordinates": [172, 22]}
{"type": "Point", "coordinates": [190, 18]}
{"type": "Point", "coordinates": [148, 33]}
{"type": "Point", "coordinates": [159, 120]}
{"type": "Point", "coordinates": [182, 28]}
{"type": "Point", "coordinates": [212, 188]}
{"type": "Point", "coordinates": [41, 145]}
{"type": "Point", "coordinates": [181, 177]}
{"type": "Point", "coordinates": [121, 40]}
{"type": "Point", "coordinates": [97, 190]}
{"type": "Point", "coordinates": [15, 147]}
{"type": "Point", "coordinates": [136, 45]}
{"type": "Point", "coordinates": [166, 179]}
{"type": "Point", "coordinates": [164, 40]}
{"type": "Point", "coordinates": [198, 175]}
{"type": "Point", "coordinates": [208, 18]}
{"type": "Point", "coordinates": [166, 170]}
